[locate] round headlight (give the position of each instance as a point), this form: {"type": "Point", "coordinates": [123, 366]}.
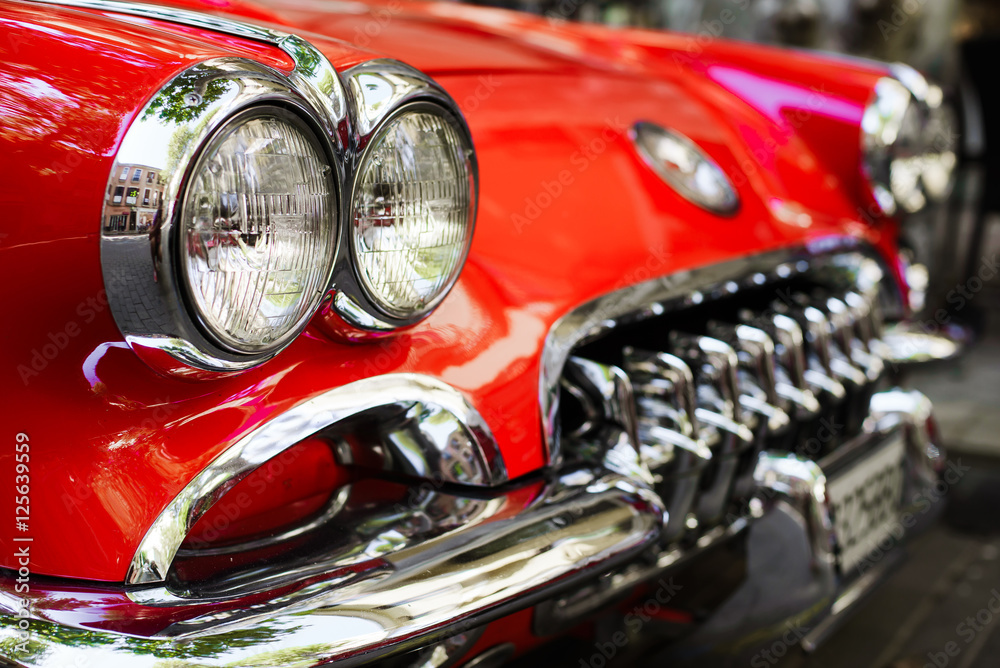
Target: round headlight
{"type": "Point", "coordinates": [413, 211]}
{"type": "Point", "coordinates": [258, 230]}
{"type": "Point", "coordinates": [686, 168]}
{"type": "Point", "coordinates": [907, 137]}
{"type": "Point", "coordinates": [940, 138]}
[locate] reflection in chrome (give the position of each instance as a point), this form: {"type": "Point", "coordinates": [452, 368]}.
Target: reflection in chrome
{"type": "Point", "coordinates": [441, 563]}
{"type": "Point", "coordinates": [669, 433]}
{"type": "Point", "coordinates": [139, 217]}
{"type": "Point", "coordinates": [605, 394]}
{"type": "Point", "coordinates": [449, 651]}
{"type": "Point", "coordinates": [908, 142]}
{"type": "Point", "coordinates": [723, 426]}
{"type": "Point", "coordinates": [758, 390]}
{"type": "Point", "coordinates": [140, 244]}
{"type": "Point", "coordinates": [914, 409]}
{"type": "Point", "coordinates": [140, 221]}
{"type": "Point", "coordinates": [801, 484]}
{"type": "Point", "coordinates": [727, 380]}
{"type": "Point", "coordinates": [908, 343]}
{"type": "Point", "coordinates": [379, 92]}
{"type": "Point", "coordinates": [432, 433]}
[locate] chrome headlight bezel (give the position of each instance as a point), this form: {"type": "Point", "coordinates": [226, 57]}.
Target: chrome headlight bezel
{"type": "Point", "coordinates": [378, 92]}
{"type": "Point", "coordinates": [143, 273]}
{"type": "Point", "coordinates": [907, 143]}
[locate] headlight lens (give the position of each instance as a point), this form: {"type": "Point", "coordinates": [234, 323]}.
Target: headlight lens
{"type": "Point", "coordinates": [685, 168]}
{"type": "Point", "coordinates": [413, 212]}
{"type": "Point", "coordinates": [907, 136]}
{"type": "Point", "coordinates": [940, 137]}
{"type": "Point", "coordinates": [259, 230]}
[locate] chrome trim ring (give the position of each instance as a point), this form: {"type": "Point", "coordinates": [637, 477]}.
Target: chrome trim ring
{"type": "Point", "coordinates": [648, 137]}
{"type": "Point", "coordinates": [378, 91]}
{"type": "Point", "coordinates": [431, 400]}
{"type": "Point", "coordinates": [143, 271]}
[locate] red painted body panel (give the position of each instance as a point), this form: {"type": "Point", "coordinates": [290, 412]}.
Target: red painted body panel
{"type": "Point", "coordinates": [567, 212]}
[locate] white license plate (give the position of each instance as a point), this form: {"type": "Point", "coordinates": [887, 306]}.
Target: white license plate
{"type": "Point", "coordinates": [866, 500]}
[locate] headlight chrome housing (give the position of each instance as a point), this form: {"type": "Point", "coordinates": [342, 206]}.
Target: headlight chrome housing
{"type": "Point", "coordinates": [907, 143]}
{"type": "Point", "coordinates": [243, 200]}
{"type": "Point", "coordinates": [413, 201]}
{"type": "Point", "coordinates": [221, 221]}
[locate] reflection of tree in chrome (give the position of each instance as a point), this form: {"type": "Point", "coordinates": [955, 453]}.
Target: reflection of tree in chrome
{"type": "Point", "coordinates": [186, 654]}
{"type": "Point", "coordinates": [172, 105]}
{"type": "Point", "coordinates": [181, 139]}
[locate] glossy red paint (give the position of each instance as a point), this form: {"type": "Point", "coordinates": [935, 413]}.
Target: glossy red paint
{"type": "Point", "coordinates": [567, 212]}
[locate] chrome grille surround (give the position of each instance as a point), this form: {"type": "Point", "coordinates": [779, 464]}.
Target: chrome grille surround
{"type": "Point", "coordinates": [776, 352]}
{"type": "Point", "coordinates": [642, 301]}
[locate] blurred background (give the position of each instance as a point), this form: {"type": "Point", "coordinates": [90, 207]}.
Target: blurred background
{"type": "Point", "coordinates": [951, 249]}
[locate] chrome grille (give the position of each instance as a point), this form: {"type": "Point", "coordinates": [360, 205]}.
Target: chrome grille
{"type": "Point", "coordinates": [703, 385]}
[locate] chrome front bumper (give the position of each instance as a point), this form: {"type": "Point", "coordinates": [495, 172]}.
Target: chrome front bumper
{"type": "Point", "coordinates": [508, 551]}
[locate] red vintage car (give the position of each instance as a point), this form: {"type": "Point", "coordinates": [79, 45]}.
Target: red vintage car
{"type": "Point", "coordinates": [430, 333]}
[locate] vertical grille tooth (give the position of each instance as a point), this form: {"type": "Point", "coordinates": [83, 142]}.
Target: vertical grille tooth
{"type": "Point", "coordinates": [668, 431]}
{"type": "Point", "coordinates": [720, 415]}
{"type": "Point", "coordinates": [664, 387]}
{"type": "Point", "coordinates": [814, 330]}
{"type": "Point", "coordinates": [758, 393]}
{"type": "Point", "coordinates": [606, 393]}
{"type": "Point", "coordinates": [609, 429]}
{"type": "Point", "coordinates": [793, 394]}
{"type": "Point", "coordinates": [867, 318]}
{"type": "Point", "coordinates": [850, 337]}
{"type": "Point", "coordinates": [832, 315]}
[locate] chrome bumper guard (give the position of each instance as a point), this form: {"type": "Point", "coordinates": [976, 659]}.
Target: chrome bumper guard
{"type": "Point", "coordinates": [796, 578]}
{"type": "Point", "coordinates": [406, 586]}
